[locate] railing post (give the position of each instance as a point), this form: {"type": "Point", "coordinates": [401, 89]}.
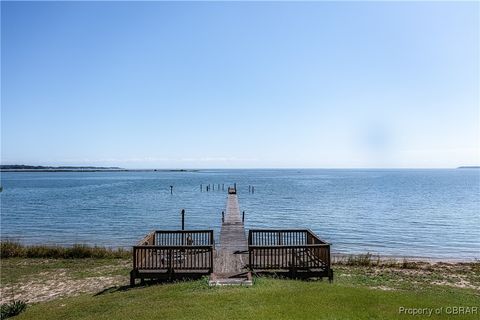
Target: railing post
{"type": "Point", "coordinates": [243, 217]}
{"type": "Point", "coordinates": [133, 273]}
{"type": "Point", "coordinates": [294, 267]}
{"type": "Point", "coordinates": [330, 271]}
{"type": "Point", "coordinates": [211, 260]}
{"type": "Point", "coordinates": [169, 268]}
{"type": "Point", "coordinates": [250, 250]}
{"type": "Point", "coordinates": [250, 253]}
{"type": "Point", "coordinates": [223, 216]}
{"type": "Point", "coordinates": [134, 258]}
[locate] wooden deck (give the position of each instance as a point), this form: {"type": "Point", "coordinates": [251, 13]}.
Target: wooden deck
{"type": "Point", "coordinates": [173, 254]}
{"type": "Point", "coordinates": [296, 253]}
{"type": "Point", "coordinates": [231, 256]}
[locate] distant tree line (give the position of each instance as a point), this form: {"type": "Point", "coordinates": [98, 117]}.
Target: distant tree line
{"type": "Point", "coordinates": [25, 167]}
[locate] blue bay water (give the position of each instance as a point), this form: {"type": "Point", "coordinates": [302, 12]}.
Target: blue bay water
{"type": "Point", "coordinates": [413, 213]}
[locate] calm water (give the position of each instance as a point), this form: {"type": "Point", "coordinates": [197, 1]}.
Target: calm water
{"type": "Point", "coordinates": [424, 213]}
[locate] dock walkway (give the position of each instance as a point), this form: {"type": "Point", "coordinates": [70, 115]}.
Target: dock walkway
{"type": "Point", "coordinates": [231, 256]}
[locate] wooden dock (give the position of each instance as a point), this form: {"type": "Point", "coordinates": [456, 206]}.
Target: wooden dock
{"type": "Point", "coordinates": [180, 254]}
{"type": "Point", "coordinates": [231, 256]}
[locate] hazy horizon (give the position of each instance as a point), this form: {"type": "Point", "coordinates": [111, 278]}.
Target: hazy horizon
{"type": "Point", "coordinates": [205, 85]}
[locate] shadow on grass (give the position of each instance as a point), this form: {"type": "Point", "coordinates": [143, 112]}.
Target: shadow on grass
{"type": "Point", "coordinates": [113, 289]}
{"type": "Point", "coordinates": [148, 283]}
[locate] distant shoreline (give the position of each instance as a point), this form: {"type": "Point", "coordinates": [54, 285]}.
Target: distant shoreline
{"type": "Point", "coordinates": [26, 168]}
{"type": "Point", "coordinates": [97, 170]}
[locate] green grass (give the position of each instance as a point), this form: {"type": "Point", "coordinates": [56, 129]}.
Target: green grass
{"type": "Point", "coordinates": [363, 288]}
{"type": "Point", "coordinates": [267, 299]}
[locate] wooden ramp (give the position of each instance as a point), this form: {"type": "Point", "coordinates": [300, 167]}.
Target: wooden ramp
{"type": "Point", "coordinates": [231, 256]}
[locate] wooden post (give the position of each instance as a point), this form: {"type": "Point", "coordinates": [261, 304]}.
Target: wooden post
{"type": "Point", "coordinates": [243, 216]}
{"type": "Point", "coordinates": [183, 220]}
{"type": "Point", "coordinates": [211, 262]}
{"type": "Point", "coordinates": [250, 250]}
{"type": "Point", "coordinates": [201, 187]}
{"type": "Point", "coordinates": [213, 186]}
{"type": "Point", "coordinates": [133, 273]}
{"type": "Point", "coordinates": [132, 278]}
{"type": "Point", "coordinates": [223, 216]}
{"type": "Point", "coordinates": [171, 189]}
{"type": "Point", "coordinates": [223, 187]}
{"type": "Point", "coordinates": [235, 187]}
{"type": "Point", "coordinates": [253, 189]}
{"type": "Point", "coordinates": [169, 262]}
{"type": "Point", "coordinates": [294, 267]}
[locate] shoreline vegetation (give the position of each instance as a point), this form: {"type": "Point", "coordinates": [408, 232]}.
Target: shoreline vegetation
{"type": "Point", "coordinates": [76, 281]}
{"type": "Point", "coordinates": [13, 249]}
{"type": "Point", "coordinates": [10, 248]}
{"type": "Point", "coordinates": [27, 168]}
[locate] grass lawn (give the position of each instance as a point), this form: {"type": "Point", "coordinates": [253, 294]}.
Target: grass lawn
{"type": "Point", "coordinates": [267, 299]}
{"type": "Point", "coordinates": [96, 289]}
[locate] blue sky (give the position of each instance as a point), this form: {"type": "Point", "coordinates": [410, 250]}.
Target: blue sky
{"type": "Point", "coordinates": [240, 85]}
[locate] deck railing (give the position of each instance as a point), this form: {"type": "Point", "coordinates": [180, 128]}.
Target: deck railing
{"type": "Point", "coordinates": [178, 238]}
{"type": "Point", "coordinates": [292, 250]}
{"type": "Point", "coordinates": [182, 237]}
{"type": "Point", "coordinates": [171, 252]}
{"type": "Point", "coordinates": [173, 258]}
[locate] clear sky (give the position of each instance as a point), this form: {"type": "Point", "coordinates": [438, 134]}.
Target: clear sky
{"type": "Point", "coordinates": [228, 85]}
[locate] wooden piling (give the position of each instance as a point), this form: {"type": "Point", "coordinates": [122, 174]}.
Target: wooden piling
{"type": "Point", "coordinates": [183, 219]}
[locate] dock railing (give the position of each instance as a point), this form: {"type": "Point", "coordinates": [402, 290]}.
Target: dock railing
{"type": "Point", "coordinates": [296, 252]}
{"type": "Point", "coordinates": [172, 253]}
